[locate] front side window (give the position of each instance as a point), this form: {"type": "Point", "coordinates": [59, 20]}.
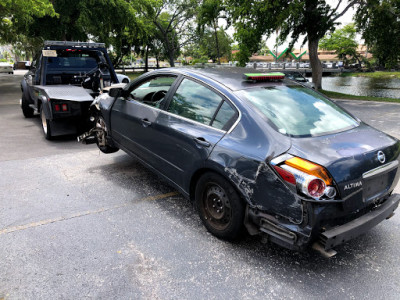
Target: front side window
{"type": "Point", "coordinates": [298, 111]}
{"type": "Point", "coordinates": [197, 102]}
{"type": "Point", "coordinates": [152, 92]}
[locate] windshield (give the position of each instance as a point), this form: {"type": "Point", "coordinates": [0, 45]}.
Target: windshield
{"type": "Point", "coordinates": [298, 111]}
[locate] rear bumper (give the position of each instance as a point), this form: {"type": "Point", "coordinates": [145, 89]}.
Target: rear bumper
{"type": "Point", "coordinates": [352, 229]}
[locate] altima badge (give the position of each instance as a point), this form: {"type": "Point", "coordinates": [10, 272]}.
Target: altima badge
{"type": "Point", "coordinates": [381, 156]}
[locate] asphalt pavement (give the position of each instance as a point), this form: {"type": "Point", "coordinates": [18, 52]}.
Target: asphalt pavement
{"type": "Point", "coordinates": [76, 223]}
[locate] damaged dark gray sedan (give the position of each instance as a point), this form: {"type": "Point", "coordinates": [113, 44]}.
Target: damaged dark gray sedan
{"type": "Point", "coordinates": [256, 152]}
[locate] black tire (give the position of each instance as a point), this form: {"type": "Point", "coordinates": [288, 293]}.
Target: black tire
{"type": "Point", "coordinates": [101, 137]}
{"type": "Point", "coordinates": [220, 207]}
{"type": "Point", "coordinates": [46, 125]}
{"type": "Point", "coordinates": [125, 80]}
{"type": "Point", "coordinates": [26, 109]}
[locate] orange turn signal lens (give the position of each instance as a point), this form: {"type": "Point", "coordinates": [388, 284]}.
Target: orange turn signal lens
{"type": "Point", "coordinates": [310, 168]}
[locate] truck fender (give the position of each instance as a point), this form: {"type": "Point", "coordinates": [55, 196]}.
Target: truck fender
{"type": "Point", "coordinates": [45, 105]}
{"type": "Point", "coordinates": [25, 91]}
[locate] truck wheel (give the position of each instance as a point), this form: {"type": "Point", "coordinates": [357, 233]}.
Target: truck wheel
{"type": "Point", "coordinates": [26, 109]}
{"type": "Point", "coordinates": [46, 125]}
{"type": "Point", "coordinates": [101, 137]}
{"type": "Point", "coordinates": [219, 206]}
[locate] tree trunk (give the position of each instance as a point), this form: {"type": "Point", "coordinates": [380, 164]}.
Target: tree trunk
{"type": "Point", "coordinates": [146, 62]}
{"type": "Point", "coordinates": [171, 54]}
{"type": "Point", "coordinates": [216, 42]}
{"type": "Point", "coordinates": [315, 63]}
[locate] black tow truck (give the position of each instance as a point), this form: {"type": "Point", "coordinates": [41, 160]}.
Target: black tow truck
{"type": "Point", "coordinates": [62, 82]}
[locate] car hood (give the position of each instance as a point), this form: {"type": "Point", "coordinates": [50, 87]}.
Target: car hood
{"type": "Point", "coordinates": [65, 92]}
{"type": "Point", "coordinates": [350, 156]}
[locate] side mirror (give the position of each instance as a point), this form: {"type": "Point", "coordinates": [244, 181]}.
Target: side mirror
{"type": "Point", "coordinates": [115, 92]}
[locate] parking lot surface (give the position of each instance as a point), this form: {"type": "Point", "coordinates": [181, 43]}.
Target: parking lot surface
{"type": "Point", "coordinates": [76, 223]}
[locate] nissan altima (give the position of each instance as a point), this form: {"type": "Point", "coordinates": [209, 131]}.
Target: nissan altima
{"type": "Point", "coordinates": [257, 153]}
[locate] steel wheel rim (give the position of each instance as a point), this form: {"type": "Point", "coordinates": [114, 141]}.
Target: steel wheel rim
{"type": "Point", "coordinates": [217, 207]}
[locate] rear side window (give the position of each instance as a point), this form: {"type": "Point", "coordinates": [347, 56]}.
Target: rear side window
{"type": "Point", "coordinates": [197, 102]}
{"type": "Point", "coordinates": [225, 117]}
{"type": "Point", "coordinates": [298, 111]}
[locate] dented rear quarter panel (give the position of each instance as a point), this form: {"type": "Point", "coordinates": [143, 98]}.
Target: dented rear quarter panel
{"type": "Point", "coordinates": [243, 155]}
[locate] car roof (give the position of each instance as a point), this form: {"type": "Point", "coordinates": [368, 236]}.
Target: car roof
{"type": "Point", "coordinates": [231, 77]}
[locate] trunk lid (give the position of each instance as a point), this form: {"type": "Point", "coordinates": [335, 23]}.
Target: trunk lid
{"type": "Point", "coordinates": [362, 161]}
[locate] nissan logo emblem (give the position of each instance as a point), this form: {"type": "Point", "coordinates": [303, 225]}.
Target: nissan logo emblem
{"type": "Point", "coordinates": [381, 157]}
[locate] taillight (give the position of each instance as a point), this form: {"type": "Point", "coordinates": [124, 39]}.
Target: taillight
{"type": "Point", "coordinates": [316, 188]}
{"type": "Point", "coordinates": [287, 176]}
{"type": "Point", "coordinates": [309, 178]}
{"type": "Point", "coordinates": [61, 107]}
{"type": "Point", "coordinates": [309, 168]}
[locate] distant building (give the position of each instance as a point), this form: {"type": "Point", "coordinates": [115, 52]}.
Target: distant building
{"type": "Point", "coordinates": [325, 56]}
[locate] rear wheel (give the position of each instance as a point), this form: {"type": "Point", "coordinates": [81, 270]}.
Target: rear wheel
{"type": "Point", "coordinates": [46, 125]}
{"type": "Point", "coordinates": [26, 109]}
{"type": "Point", "coordinates": [101, 137]}
{"type": "Point", "coordinates": [220, 207]}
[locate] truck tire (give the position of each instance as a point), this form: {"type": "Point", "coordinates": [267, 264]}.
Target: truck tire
{"type": "Point", "coordinates": [26, 109]}
{"type": "Point", "coordinates": [46, 125]}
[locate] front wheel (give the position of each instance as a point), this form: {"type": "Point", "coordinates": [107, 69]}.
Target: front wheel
{"type": "Point", "coordinates": [46, 125]}
{"type": "Point", "coordinates": [220, 207]}
{"type": "Point", "coordinates": [101, 137]}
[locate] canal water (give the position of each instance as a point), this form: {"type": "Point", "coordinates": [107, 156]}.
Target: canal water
{"type": "Point", "coordinates": [363, 86]}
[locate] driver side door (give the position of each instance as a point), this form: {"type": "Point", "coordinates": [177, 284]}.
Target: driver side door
{"type": "Point", "coordinates": [134, 118]}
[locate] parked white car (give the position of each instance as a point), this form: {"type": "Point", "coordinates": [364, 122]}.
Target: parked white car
{"type": "Point", "coordinates": [6, 68]}
{"type": "Point", "coordinates": [123, 78]}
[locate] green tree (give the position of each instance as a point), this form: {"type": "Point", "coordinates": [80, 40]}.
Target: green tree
{"type": "Point", "coordinates": [343, 42]}
{"type": "Point", "coordinates": [20, 12]}
{"type": "Point", "coordinates": [83, 20]}
{"type": "Point", "coordinates": [379, 22]}
{"type": "Point", "coordinates": [209, 14]}
{"type": "Point", "coordinates": [209, 48]}
{"type": "Point", "coordinates": [312, 18]}
{"type": "Point", "coordinates": [174, 21]}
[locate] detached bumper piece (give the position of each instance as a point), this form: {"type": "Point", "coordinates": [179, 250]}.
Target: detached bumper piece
{"type": "Point", "coordinates": [352, 229]}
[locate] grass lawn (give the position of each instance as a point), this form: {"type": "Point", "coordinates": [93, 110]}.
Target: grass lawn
{"type": "Point", "coordinates": [133, 75]}
{"type": "Point", "coordinates": [336, 95]}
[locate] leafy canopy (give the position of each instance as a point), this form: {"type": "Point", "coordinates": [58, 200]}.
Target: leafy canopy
{"type": "Point", "coordinates": [20, 12]}
{"type": "Point", "coordinates": [343, 42]}
{"type": "Point", "coordinates": [379, 22]}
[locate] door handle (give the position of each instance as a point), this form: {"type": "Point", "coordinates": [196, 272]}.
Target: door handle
{"type": "Point", "coordinates": [202, 141]}
{"type": "Point", "coordinates": [146, 122]}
